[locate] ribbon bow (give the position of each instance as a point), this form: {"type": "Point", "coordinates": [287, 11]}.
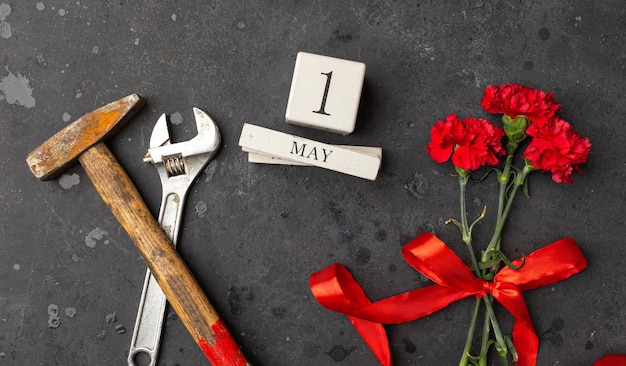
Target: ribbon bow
{"type": "Point", "coordinates": [335, 289]}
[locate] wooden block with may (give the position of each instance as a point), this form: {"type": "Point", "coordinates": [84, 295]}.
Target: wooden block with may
{"type": "Point", "coordinates": [255, 157]}
{"type": "Point", "coordinates": [264, 141]}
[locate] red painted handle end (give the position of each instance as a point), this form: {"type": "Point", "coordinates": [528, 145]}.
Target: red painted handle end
{"type": "Point", "coordinates": [225, 350]}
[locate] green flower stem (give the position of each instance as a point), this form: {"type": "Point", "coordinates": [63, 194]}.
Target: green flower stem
{"type": "Point", "coordinates": [496, 326]}
{"type": "Point", "coordinates": [485, 343]}
{"type": "Point", "coordinates": [467, 239]}
{"type": "Point", "coordinates": [501, 207]}
{"type": "Point", "coordinates": [491, 320]}
{"type": "Point", "coordinates": [470, 336]}
{"type": "Point", "coordinates": [504, 206]}
{"type": "Point", "coordinates": [465, 230]}
{"type": "Point", "coordinates": [504, 202]}
{"type": "Point", "coordinates": [495, 239]}
{"type": "Point", "coordinates": [504, 182]}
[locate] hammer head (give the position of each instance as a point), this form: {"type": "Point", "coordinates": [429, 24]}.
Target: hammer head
{"type": "Point", "coordinates": [61, 150]}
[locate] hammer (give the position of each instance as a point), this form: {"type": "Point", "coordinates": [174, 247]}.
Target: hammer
{"type": "Point", "coordinates": [82, 140]}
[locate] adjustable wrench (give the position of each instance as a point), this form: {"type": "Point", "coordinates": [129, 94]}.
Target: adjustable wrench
{"type": "Point", "coordinates": [178, 165]}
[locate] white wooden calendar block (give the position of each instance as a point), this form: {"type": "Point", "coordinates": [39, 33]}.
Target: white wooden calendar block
{"type": "Point", "coordinates": [325, 93]}
{"type": "Point", "coordinates": [258, 158]}
{"type": "Point", "coordinates": [265, 141]}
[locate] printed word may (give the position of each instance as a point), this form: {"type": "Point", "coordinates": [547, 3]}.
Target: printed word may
{"type": "Point", "coordinates": [312, 153]}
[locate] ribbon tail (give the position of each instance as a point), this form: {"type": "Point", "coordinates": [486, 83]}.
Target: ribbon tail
{"type": "Point", "coordinates": [335, 288]}
{"type": "Point", "coordinates": [375, 336]}
{"type": "Point", "coordinates": [526, 344]}
{"type": "Point", "coordinates": [524, 336]}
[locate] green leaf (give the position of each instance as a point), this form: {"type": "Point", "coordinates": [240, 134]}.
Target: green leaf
{"type": "Point", "coordinates": [502, 351]}
{"type": "Point", "coordinates": [511, 265]}
{"type": "Point", "coordinates": [496, 257]}
{"type": "Point", "coordinates": [501, 256]}
{"type": "Point", "coordinates": [486, 174]}
{"type": "Point", "coordinates": [489, 264]}
{"type": "Point", "coordinates": [475, 360]}
{"type": "Point", "coordinates": [509, 343]}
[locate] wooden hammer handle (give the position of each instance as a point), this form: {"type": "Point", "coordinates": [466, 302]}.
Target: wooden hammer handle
{"type": "Point", "coordinates": [174, 277]}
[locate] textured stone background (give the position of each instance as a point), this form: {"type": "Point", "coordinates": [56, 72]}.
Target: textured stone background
{"type": "Point", "coordinates": [253, 234]}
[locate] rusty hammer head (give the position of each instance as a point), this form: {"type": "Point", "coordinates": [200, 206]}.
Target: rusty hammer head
{"type": "Point", "coordinates": [61, 150]}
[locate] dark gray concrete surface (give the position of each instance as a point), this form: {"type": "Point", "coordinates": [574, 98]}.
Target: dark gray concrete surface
{"type": "Point", "coordinates": [253, 234]}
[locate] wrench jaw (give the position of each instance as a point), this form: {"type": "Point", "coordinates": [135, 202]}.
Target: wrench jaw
{"type": "Point", "coordinates": [207, 141]}
{"type": "Point", "coordinates": [208, 133]}
{"type": "Point", "coordinates": [160, 133]}
{"type": "Point", "coordinates": [183, 161]}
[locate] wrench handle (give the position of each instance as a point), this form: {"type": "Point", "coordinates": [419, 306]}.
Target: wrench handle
{"type": "Point", "coordinates": [151, 313]}
{"type": "Point", "coordinates": [149, 324]}
{"type": "Point", "coordinates": [174, 277]}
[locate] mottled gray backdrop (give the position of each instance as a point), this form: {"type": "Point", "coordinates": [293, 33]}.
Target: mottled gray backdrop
{"type": "Point", "coordinates": [70, 279]}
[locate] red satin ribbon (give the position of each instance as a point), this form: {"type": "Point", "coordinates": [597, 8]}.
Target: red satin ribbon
{"type": "Point", "coordinates": [336, 289]}
{"type": "Point", "coordinates": [611, 360]}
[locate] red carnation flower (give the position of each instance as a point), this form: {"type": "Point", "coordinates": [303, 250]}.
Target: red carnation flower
{"type": "Point", "coordinates": [518, 100]}
{"type": "Point", "coordinates": [557, 148]}
{"type": "Point", "coordinates": [471, 142]}
{"type": "Point", "coordinates": [444, 137]}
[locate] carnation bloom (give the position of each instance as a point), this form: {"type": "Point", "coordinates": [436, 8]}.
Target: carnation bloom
{"type": "Point", "coordinates": [471, 143]}
{"type": "Point", "coordinates": [557, 148]}
{"type": "Point", "coordinates": [517, 100]}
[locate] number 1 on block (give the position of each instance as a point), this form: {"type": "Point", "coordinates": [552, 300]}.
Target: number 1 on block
{"type": "Point", "coordinates": [325, 93]}
{"type": "Point", "coordinates": [329, 75]}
